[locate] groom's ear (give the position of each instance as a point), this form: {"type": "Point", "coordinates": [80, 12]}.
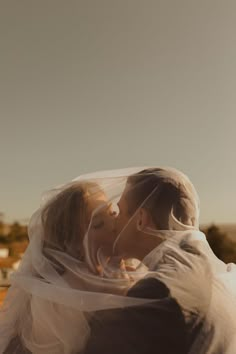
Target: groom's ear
{"type": "Point", "coordinates": [143, 219]}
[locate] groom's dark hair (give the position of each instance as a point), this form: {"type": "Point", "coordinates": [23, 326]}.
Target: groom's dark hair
{"type": "Point", "coordinates": [152, 190]}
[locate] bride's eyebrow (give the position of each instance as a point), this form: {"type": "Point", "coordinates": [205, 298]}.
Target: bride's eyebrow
{"type": "Point", "coordinates": [100, 211]}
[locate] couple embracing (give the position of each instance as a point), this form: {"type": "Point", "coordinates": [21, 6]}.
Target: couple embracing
{"type": "Point", "coordinates": [116, 264]}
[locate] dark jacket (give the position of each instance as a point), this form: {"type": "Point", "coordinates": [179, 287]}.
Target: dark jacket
{"type": "Point", "coordinates": [145, 329]}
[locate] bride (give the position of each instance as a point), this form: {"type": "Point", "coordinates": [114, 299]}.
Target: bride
{"type": "Point", "coordinates": [44, 311]}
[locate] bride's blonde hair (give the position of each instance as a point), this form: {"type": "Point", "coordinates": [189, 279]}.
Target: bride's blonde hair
{"type": "Point", "coordinates": [65, 219]}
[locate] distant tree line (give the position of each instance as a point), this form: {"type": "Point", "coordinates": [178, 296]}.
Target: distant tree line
{"type": "Point", "coordinates": [223, 247]}
{"type": "Point", "coordinates": [16, 233]}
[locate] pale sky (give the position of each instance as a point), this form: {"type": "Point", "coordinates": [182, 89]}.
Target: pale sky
{"type": "Point", "coordinates": [101, 84]}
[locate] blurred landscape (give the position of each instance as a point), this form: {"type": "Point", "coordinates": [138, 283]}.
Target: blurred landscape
{"type": "Point", "coordinates": [14, 241]}
{"type": "Point", "coordinates": [222, 239]}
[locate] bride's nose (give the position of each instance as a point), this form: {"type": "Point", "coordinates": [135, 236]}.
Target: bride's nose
{"type": "Point", "coordinates": [113, 213]}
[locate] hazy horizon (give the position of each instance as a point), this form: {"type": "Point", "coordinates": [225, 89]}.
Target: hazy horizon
{"type": "Point", "coordinates": [92, 85]}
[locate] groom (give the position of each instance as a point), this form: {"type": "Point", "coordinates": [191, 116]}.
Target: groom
{"type": "Point", "coordinates": [181, 282]}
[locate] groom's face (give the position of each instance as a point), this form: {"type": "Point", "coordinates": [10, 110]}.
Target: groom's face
{"type": "Point", "coordinates": [126, 226]}
{"type": "Point", "coordinates": [123, 216]}
{"type": "Point", "coordinates": [132, 222]}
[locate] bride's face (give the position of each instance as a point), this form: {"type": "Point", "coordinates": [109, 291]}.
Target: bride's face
{"type": "Point", "coordinates": [101, 232]}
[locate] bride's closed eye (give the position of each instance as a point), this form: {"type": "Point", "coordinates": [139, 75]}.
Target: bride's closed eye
{"type": "Point", "coordinates": [98, 224]}
{"type": "Point", "coordinates": [100, 220]}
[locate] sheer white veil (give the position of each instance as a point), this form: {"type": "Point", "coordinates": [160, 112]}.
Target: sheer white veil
{"type": "Point", "coordinates": [73, 266]}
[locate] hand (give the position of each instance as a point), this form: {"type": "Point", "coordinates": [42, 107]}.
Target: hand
{"type": "Point", "coordinates": [115, 267]}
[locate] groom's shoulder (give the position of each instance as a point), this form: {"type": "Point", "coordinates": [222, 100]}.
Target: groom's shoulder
{"type": "Point", "coordinates": [149, 288]}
